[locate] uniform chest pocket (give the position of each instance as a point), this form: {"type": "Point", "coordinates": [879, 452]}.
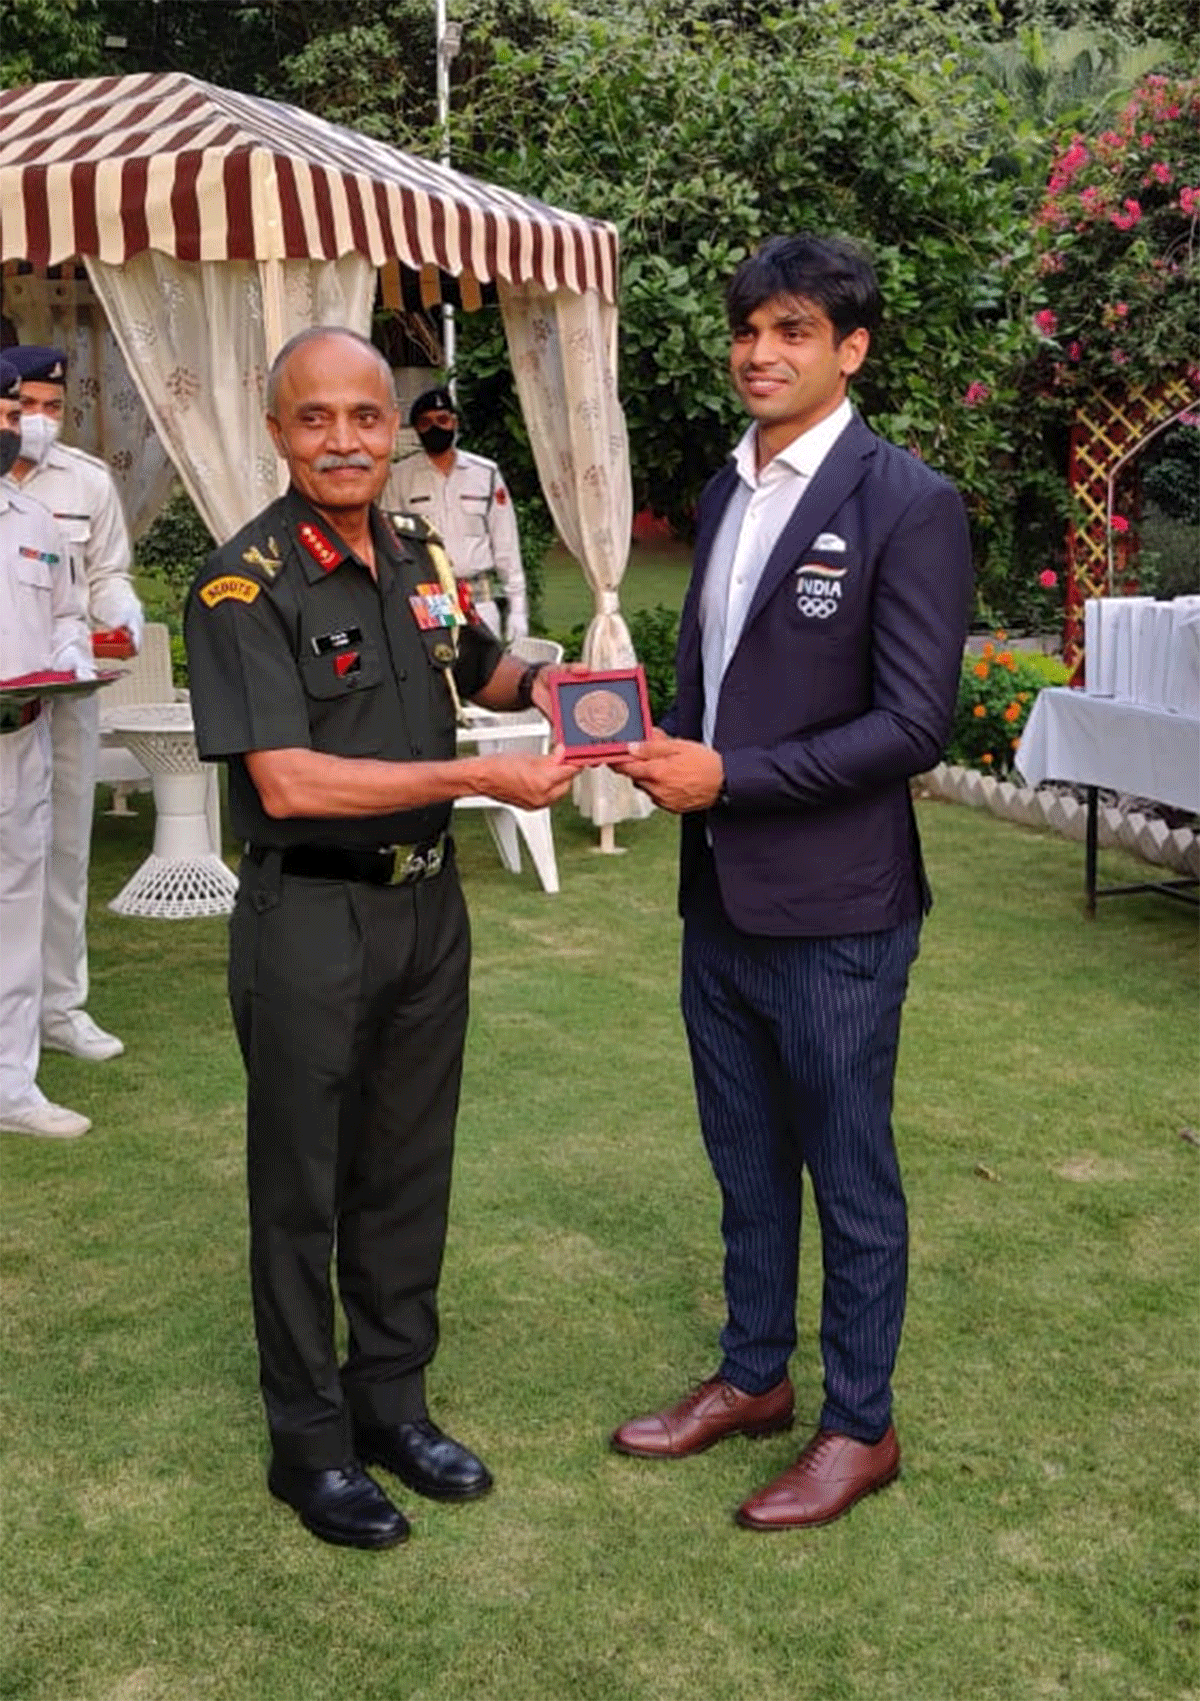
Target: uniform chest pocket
{"type": "Point", "coordinates": [474, 514]}
{"type": "Point", "coordinates": [340, 673]}
{"type": "Point", "coordinates": [35, 571]}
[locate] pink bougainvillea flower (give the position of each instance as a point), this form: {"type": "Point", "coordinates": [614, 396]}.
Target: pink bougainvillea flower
{"type": "Point", "coordinates": [1046, 321]}
{"type": "Point", "coordinates": [1074, 351]}
{"type": "Point", "coordinates": [1121, 308]}
{"type": "Point", "coordinates": [1161, 172]}
{"type": "Point", "coordinates": [1131, 215]}
{"type": "Point", "coordinates": [976, 393]}
{"type": "Point", "coordinates": [1048, 578]}
{"type": "Point", "coordinates": [1120, 523]}
{"type": "Point", "coordinates": [1188, 199]}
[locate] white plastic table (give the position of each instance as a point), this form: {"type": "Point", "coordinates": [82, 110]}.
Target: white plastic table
{"type": "Point", "coordinates": [507, 824]}
{"type": "Point", "coordinates": [184, 875]}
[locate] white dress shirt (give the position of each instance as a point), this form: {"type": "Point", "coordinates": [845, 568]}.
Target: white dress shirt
{"type": "Point", "coordinates": [751, 526]}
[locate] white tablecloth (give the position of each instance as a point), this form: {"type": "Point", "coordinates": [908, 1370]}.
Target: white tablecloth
{"type": "Point", "coordinates": [1098, 741]}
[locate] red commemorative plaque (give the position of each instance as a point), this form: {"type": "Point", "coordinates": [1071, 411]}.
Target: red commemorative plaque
{"type": "Point", "coordinates": [598, 715]}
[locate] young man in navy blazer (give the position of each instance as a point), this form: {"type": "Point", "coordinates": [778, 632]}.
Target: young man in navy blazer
{"type": "Point", "coordinates": [819, 654]}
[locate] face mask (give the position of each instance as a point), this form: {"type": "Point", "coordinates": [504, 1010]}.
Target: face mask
{"type": "Point", "coordinates": [10, 448]}
{"type": "Point", "coordinates": [437, 439]}
{"type": "Point", "coordinates": [38, 432]}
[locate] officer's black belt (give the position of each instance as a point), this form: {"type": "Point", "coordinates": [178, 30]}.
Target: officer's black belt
{"type": "Point", "coordinates": [389, 865]}
{"type": "Point", "coordinates": [14, 716]}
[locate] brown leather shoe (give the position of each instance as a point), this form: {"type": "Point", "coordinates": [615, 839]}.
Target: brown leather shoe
{"type": "Point", "coordinates": [710, 1413]}
{"type": "Point", "coordinates": [829, 1476]}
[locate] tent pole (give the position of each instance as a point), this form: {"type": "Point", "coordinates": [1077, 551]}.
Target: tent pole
{"type": "Point", "coordinates": [449, 39]}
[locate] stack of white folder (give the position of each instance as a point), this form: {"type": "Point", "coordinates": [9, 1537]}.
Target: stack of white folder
{"type": "Point", "coordinates": [1138, 650]}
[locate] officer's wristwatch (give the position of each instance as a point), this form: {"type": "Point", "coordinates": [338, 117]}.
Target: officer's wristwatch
{"type": "Point", "coordinates": [525, 684]}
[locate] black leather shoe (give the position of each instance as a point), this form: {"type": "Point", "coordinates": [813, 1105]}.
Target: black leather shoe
{"type": "Point", "coordinates": [346, 1506]}
{"type": "Point", "coordinates": [430, 1462]}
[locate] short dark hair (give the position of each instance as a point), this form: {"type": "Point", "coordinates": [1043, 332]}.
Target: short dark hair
{"type": "Point", "coordinates": [829, 270]}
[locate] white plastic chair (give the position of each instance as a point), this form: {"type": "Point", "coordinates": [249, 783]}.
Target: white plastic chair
{"type": "Point", "coordinates": [507, 824]}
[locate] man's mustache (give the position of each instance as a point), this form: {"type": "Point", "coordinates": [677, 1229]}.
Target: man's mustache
{"type": "Point", "coordinates": [331, 463]}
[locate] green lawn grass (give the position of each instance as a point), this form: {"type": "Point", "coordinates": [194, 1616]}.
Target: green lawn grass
{"type": "Point", "coordinates": [657, 573]}
{"type": "Point", "coordinates": [1042, 1541]}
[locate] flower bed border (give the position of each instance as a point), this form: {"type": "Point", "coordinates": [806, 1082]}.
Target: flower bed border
{"type": "Point", "coordinates": [1143, 836]}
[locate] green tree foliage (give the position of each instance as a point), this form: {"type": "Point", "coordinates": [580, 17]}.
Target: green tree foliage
{"type": "Point", "coordinates": [1057, 76]}
{"type": "Point", "coordinates": [699, 138]}
{"type": "Point", "coordinates": [40, 39]}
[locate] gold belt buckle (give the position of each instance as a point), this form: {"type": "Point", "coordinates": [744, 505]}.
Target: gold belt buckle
{"type": "Point", "coordinates": [411, 863]}
{"type": "Point", "coordinates": [403, 857]}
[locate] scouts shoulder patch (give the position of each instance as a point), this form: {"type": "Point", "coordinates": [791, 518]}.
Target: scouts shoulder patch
{"type": "Point", "coordinates": [230, 587]}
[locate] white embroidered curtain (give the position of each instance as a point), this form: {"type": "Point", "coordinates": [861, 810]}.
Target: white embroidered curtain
{"type": "Point", "coordinates": [563, 349]}
{"type": "Point", "coordinates": [199, 340]}
{"type": "Point", "coordinates": [104, 414]}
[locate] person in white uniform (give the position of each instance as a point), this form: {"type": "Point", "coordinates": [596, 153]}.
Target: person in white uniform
{"type": "Point", "coordinates": [80, 494]}
{"type": "Point", "coordinates": [465, 498]}
{"type": "Point", "coordinates": [42, 627]}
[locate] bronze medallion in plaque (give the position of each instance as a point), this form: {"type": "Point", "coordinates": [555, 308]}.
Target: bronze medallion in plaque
{"type": "Point", "coordinates": [599, 713]}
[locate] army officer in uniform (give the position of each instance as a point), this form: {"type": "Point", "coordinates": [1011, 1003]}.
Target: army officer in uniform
{"type": "Point", "coordinates": [325, 654]}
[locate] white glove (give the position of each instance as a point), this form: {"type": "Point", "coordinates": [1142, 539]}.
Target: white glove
{"type": "Point", "coordinates": [74, 659]}
{"type": "Point", "coordinates": [118, 607]}
{"type": "Point", "coordinates": [135, 624]}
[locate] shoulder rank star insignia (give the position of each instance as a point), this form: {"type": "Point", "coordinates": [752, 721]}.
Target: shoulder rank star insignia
{"type": "Point", "coordinates": [409, 525]}
{"type": "Point", "coordinates": [268, 564]}
{"type": "Point", "coordinates": [324, 553]}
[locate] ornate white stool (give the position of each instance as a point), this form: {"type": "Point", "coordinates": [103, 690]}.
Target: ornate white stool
{"type": "Point", "coordinates": [184, 875]}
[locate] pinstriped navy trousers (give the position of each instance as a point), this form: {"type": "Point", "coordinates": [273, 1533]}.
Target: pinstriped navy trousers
{"type": "Point", "coordinates": [793, 1045]}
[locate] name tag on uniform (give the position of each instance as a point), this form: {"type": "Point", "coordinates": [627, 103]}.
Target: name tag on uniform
{"type": "Point", "coordinates": [433, 607]}
{"type": "Point", "coordinates": [329, 641]}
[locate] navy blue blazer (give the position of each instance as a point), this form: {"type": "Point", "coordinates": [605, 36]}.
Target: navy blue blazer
{"type": "Point", "coordinates": [841, 688]}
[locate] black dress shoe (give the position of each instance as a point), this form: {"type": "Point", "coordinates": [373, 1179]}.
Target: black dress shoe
{"type": "Point", "coordinates": [345, 1506]}
{"type": "Point", "coordinates": [430, 1462]}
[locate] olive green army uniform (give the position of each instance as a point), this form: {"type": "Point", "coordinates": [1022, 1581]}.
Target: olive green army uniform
{"type": "Point", "coordinates": [348, 964]}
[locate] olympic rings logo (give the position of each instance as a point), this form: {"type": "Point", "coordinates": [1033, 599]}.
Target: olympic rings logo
{"type": "Point", "coordinates": [817, 608]}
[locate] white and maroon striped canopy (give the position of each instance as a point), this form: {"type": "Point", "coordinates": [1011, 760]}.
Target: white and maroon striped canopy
{"type": "Point", "coordinates": [114, 165]}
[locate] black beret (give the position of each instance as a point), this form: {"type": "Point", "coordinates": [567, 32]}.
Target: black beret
{"type": "Point", "coordinates": [431, 401]}
{"type": "Point", "coordinates": [38, 364]}
{"type": "Point", "coordinates": [10, 381]}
